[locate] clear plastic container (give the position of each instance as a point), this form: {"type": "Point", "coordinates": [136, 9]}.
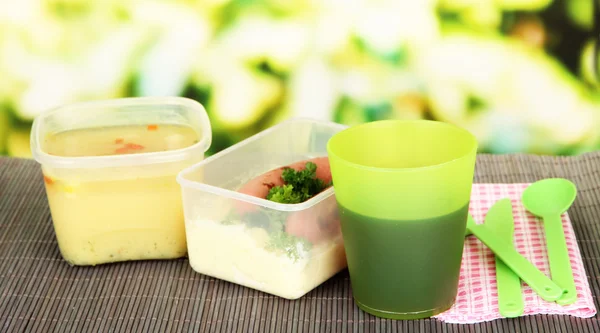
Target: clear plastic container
{"type": "Point", "coordinates": [247, 240]}
{"type": "Point", "coordinates": [109, 207]}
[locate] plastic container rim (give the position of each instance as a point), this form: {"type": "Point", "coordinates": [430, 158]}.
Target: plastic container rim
{"type": "Point", "coordinates": [128, 159]}
{"type": "Point", "coordinates": [378, 123]}
{"type": "Point", "coordinates": [185, 183]}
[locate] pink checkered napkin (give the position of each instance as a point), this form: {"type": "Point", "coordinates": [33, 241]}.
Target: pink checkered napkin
{"type": "Point", "coordinates": [477, 298]}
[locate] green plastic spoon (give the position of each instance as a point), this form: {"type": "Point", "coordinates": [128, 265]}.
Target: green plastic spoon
{"type": "Point", "coordinates": [540, 283]}
{"type": "Point", "coordinates": [549, 199]}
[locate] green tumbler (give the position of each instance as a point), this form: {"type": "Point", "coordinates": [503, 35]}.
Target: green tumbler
{"type": "Point", "coordinates": [403, 190]}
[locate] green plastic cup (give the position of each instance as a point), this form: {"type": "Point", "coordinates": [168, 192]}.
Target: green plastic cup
{"type": "Point", "coordinates": [403, 190]}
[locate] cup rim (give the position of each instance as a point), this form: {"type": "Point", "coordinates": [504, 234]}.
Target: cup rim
{"type": "Point", "coordinates": [331, 152]}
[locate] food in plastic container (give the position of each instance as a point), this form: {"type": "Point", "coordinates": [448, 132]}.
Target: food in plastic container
{"type": "Point", "coordinates": [236, 235]}
{"type": "Point", "coordinates": [110, 174]}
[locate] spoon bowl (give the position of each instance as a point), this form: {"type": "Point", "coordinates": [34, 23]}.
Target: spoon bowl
{"type": "Point", "coordinates": [549, 197]}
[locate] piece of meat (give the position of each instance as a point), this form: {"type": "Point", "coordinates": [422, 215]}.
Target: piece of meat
{"type": "Point", "coordinates": [316, 224]}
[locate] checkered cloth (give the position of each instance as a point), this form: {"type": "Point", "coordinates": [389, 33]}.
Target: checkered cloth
{"type": "Point", "coordinates": [477, 298]}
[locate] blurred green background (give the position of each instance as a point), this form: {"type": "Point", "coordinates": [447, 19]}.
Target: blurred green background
{"type": "Point", "coordinates": [518, 73]}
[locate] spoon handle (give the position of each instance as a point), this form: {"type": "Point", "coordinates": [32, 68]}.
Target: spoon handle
{"type": "Point", "coordinates": [540, 283]}
{"type": "Point", "coordinates": [510, 300]}
{"type": "Point", "coordinates": [558, 258]}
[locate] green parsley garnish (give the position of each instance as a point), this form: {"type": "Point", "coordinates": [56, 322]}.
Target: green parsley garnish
{"type": "Point", "coordinates": [299, 185]}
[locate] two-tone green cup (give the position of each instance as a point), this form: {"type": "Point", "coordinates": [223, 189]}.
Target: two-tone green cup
{"type": "Point", "coordinates": [403, 190]}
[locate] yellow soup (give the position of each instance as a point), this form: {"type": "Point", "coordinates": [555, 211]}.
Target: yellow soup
{"type": "Point", "coordinates": [117, 214]}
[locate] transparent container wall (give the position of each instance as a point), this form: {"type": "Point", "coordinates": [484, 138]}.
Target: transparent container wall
{"type": "Point", "coordinates": [283, 144]}
{"type": "Point", "coordinates": [117, 113]}
{"type": "Point", "coordinates": [285, 250]}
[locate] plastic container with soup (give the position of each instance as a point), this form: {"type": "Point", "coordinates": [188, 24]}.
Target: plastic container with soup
{"type": "Point", "coordinates": [263, 214]}
{"type": "Point", "coordinates": [110, 172]}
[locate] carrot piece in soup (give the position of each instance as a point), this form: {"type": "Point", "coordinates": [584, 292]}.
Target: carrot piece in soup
{"type": "Point", "coordinates": [152, 127]}
{"type": "Point", "coordinates": [48, 180]}
{"type": "Point", "coordinates": [128, 148]}
{"type": "Point", "coordinates": [134, 146]}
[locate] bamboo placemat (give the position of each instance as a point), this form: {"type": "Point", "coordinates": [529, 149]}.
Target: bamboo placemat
{"type": "Point", "coordinates": [39, 292]}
